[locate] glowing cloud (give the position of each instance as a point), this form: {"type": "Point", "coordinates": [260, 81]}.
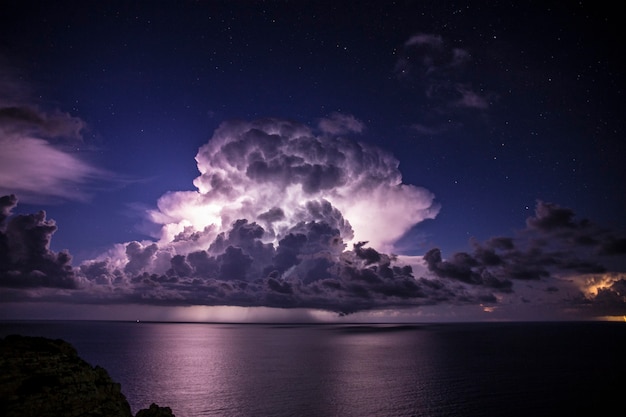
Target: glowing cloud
{"type": "Point", "coordinates": [279, 173]}
{"type": "Point", "coordinates": [36, 170]}
{"type": "Point", "coordinates": [282, 217]}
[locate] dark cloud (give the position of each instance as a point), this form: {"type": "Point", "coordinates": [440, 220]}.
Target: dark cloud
{"type": "Point", "coordinates": [310, 265]}
{"type": "Point", "coordinates": [7, 203]}
{"type": "Point", "coordinates": [613, 246]}
{"type": "Point", "coordinates": [28, 121]}
{"type": "Point", "coordinates": [272, 215]}
{"type": "Point", "coordinates": [233, 264]}
{"type": "Point", "coordinates": [554, 244]}
{"type": "Point", "coordinates": [139, 257]}
{"type": "Point", "coordinates": [309, 268]}
{"type": "Point", "coordinates": [441, 73]}
{"type": "Point", "coordinates": [551, 218]}
{"type": "Point", "coordinates": [25, 256]}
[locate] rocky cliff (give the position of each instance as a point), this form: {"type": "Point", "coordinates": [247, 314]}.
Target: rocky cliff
{"type": "Point", "coordinates": [44, 377]}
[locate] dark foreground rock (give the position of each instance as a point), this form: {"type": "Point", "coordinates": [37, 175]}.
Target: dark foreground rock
{"type": "Point", "coordinates": [155, 411]}
{"type": "Point", "coordinates": [44, 377]}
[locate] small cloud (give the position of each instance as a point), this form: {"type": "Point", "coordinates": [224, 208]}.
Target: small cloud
{"type": "Point", "coordinates": [430, 64]}
{"type": "Point", "coordinates": [429, 130]}
{"type": "Point", "coordinates": [470, 99]}
{"type": "Point", "coordinates": [338, 124]}
{"type": "Point", "coordinates": [434, 41]}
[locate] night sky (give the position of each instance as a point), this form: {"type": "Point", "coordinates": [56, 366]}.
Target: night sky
{"type": "Point", "coordinates": [389, 160]}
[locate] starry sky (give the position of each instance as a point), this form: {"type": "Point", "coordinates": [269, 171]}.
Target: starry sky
{"type": "Point", "coordinates": [312, 160]}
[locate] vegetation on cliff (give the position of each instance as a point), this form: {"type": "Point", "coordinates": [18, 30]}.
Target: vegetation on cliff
{"type": "Point", "coordinates": [46, 377]}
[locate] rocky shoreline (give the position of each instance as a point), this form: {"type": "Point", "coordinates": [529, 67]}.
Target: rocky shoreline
{"type": "Point", "coordinates": [46, 377]}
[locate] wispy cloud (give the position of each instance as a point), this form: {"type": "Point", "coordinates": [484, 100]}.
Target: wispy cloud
{"type": "Point", "coordinates": [40, 159]}
{"type": "Point", "coordinates": [428, 39]}
{"type": "Point", "coordinates": [338, 123]}
{"type": "Point", "coordinates": [471, 99]}
{"type": "Point", "coordinates": [432, 65]}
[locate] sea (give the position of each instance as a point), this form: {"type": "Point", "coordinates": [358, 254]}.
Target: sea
{"type": "Point", "coordinates": [451, 369]}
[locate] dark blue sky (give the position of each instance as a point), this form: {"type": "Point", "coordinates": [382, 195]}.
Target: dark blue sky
{"type": "Point", "coordinates": [489, 106]}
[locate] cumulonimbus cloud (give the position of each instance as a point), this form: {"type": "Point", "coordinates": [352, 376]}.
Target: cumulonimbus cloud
{"type": "Point", "coordinates": [278, 173]}
{"type": "Point", "coordinates": [281, 218]}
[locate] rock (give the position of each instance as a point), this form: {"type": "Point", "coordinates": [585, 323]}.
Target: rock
{"type": "Point", "coordinates": [45, 377]}
{"type": "Point", "coordinates": [155, 411]}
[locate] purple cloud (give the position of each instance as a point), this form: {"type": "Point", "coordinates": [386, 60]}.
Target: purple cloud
{"type": "Point", "coordinates": [38, 161]}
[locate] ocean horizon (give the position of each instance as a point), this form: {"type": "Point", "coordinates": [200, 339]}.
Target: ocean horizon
{"type": "Point", "coordinates": [357, 369]}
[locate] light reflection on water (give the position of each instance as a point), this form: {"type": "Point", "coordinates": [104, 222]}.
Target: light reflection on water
{"type": "Point", "coordinates": [275, 371]}
{"type": "Point", "coordinates": [340, 370]}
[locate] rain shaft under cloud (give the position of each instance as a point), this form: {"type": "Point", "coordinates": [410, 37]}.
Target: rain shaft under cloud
{"type": "Point", "coordinates": [276, 208]}
{"type": "Point", "coordinates": [282, 217]}
{"type": "Point", "coordinates": [292, 217]}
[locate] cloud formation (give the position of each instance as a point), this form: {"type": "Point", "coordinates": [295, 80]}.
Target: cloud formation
{"type": "Point", "coordinates": [38, 161]}
{"type": "Point", "coordinates": [26, 260]}
{"type": "Point", "coordinates": [439, 70]}
{"type": "Point", "coordinates": [554, 247]}
{"type": "Point", "coordinates": [282, 217]}
{"type": "Point", "coordinates": [280, 173]}
{"type": "Point", "coordinates": [338, 124]}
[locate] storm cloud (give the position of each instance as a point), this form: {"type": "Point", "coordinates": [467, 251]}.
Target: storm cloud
{"type": "Point", "coordinates": [554, 244]}
{"type": "Point", "coordinates": [26, 260]}
{"type": "Point", "coordinates": [278, 173]}
{"type": "Point", "coordinates": [286, 216]}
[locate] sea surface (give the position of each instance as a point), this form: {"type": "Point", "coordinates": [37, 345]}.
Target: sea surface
{"type": "Point", "coordinates": [479, 369]}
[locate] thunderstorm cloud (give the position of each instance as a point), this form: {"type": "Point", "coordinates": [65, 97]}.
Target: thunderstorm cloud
{"type": "Point", "coordinates": [288, 216]}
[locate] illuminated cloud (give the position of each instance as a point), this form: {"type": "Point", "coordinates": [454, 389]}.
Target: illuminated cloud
{"type": "Point", "coordinates": [310, 267]}
{"type": "Point", "coordinates": [39, 171]}
{"type": "Point", "coordinates": [38, 161]}
{"type": "Point", "coordinates": [281, 219]}
{"type": "Point", "coordinates": [278, 173]}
